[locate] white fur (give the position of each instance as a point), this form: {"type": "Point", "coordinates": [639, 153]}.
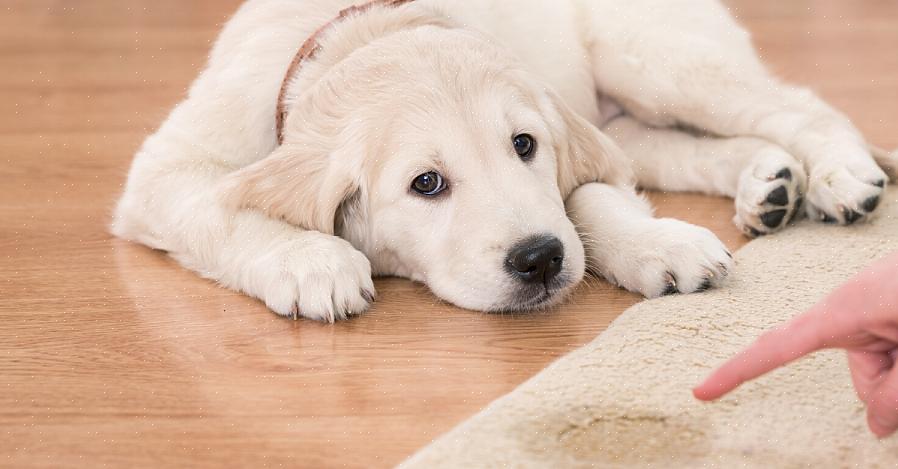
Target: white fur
{"type": "Point", "coordinates": [444, 85]}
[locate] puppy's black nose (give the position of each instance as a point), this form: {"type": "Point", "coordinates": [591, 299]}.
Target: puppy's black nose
{"type": "Point", "coordinates": [536, 260]}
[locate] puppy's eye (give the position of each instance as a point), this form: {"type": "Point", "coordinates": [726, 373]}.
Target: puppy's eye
{"type": "Point", "coordinates": [524, 145]}
{"type": "Point", "coordinates": [429, 184]}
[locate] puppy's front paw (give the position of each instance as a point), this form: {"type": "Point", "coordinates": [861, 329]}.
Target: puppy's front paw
{"type": "Point", "coordinates": [771, 192]}
{"type": "Point", "coordinates": [670, 257]}
{"type": "Point", "coordinates": [845, 194]}
{"type": "Point", "coordinates": [319, 277]}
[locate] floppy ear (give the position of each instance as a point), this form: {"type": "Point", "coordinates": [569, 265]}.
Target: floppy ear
{"type": "Point", "coordinates": [584, 153]}
{"type": "Point", "coordinates": [290, 184]}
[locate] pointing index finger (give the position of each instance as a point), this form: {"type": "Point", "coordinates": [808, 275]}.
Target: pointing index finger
{"type": "Point", "coordinates": [832, 322]}
{"type": "Point", "coordinates": [799, 337]}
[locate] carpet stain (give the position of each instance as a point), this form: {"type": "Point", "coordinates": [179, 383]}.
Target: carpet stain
{"type": "Point", "coordinates": [633, 439]}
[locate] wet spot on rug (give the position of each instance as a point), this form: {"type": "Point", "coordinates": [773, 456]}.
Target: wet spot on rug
{"type": "Point", "coordinates": [633, 439]}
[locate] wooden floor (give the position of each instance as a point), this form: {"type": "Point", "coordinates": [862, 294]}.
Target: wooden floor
{"type": "Point", "coordinates": [110, 354]}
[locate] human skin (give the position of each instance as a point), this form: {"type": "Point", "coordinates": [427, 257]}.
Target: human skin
{"type": "Point", "coordinates": [861, 316]}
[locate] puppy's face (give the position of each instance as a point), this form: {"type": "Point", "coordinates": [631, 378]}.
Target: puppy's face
{"type": "Point", "coordinates": [465, 197]}
{"type": "Point", "coordinates": [442, 162]}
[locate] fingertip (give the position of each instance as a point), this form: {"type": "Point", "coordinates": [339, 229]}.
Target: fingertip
{"type": "Point", "coordinates": [704, 392]}
{"type": "Point", "coordinates": [696, 393]}
{"type": "Point", "coordinates": [879, 430]}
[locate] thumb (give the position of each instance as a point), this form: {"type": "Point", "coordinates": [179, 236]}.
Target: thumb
{"type": "Point", "coordinates": [882, 405]}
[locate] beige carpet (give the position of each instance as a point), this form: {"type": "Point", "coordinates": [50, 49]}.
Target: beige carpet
{"type": "Point", "coordinates": [625, 401]}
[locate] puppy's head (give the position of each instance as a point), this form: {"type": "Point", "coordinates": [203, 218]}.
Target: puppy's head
{"type": "Point", "coordinates": [437, 157]}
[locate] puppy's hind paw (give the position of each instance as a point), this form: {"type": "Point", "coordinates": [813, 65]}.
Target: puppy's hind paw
{"type": "Point", "coordinates": [770, 193]}
{"type": "Point", "coordinates": [843, 195]}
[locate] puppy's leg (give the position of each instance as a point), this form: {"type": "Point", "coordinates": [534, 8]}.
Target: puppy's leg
{"type": "Point", "coordinates": [766, 182]}
{"type": "Point", "coordinates": [700, 69]}
{"type": "Point", "coordinates": [176, 207]}
{"type": "Point", "coordinates": [651, 256]}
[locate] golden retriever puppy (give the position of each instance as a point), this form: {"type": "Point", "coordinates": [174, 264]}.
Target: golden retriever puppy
{"type": "Point", "coordinates": [458, 144]}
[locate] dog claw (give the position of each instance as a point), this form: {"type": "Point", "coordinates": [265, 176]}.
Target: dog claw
{"type": "Point", "coordinates": [753, 232]}
{"type": "Point", "coordinates": [705, 286]}
{"type": "Point", "coordinates": [850, 215]}
{"type": "Point", "coordinates": [723, 268]}
{"type": "Point", "coordinates": [671, 285]}
{"type": "Point", "coordinates": [368, 296]}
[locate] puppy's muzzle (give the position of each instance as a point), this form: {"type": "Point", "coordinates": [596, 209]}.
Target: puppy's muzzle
{"type": "Point", "coordinates": [536, 260]}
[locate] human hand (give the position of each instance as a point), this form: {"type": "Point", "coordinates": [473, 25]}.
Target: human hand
{"type": "Point", "coordinates": [860, 316]}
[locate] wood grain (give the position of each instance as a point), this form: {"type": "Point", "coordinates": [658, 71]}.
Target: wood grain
{"type": "Point", "coordinates": [110, 354]}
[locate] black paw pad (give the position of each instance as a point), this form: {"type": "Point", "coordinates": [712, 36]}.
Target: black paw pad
{"type": "Point", "coordinates": [784, 173]}
{"type": "Point", "coordinates": [851, 216]}
{"type": "Point", "coordinates": [773, 219]}
{"type": "Point", "coordinates": [778, 196]}
{"type": "Point", "coordinates": [870, 204]}
{"type": "Point", "coordinates": [880, 183]}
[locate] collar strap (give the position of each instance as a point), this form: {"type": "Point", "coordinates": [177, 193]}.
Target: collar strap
{"type": "Point", "coordinates": [311, 47]}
